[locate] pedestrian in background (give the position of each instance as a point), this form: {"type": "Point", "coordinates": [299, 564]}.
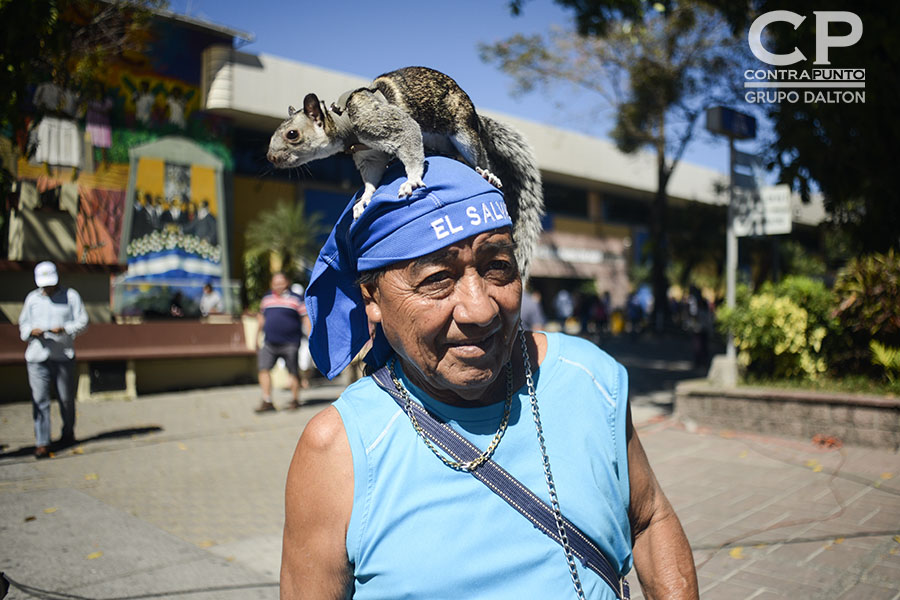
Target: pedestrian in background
{"type": "Point", "coordinates": [532, 313]}
{"type": "Point", "coordinates": [210, 301]}
{"type": "Point", "coordinates": [303, 357]}
{"type": "Point", "coordinates": [51, 318]}
{"type": "Point", "coordinates": [282, 317]}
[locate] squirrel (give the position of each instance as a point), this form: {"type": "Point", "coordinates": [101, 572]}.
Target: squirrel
{"type": "Point", "coordinates": [403, 114]}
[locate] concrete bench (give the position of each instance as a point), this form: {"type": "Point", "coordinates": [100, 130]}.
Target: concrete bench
{"type": "Point", "coordinates": [164, 354]}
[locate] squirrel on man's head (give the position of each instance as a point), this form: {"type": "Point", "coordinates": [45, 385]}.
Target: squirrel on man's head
{"type": "Point", "coordinates": [402, 115]}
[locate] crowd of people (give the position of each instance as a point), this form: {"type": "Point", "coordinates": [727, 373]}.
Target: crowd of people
{"type": "Point", "coordinates": [594, 316]}
{"type": "Point", "coordinates": [179, 213]}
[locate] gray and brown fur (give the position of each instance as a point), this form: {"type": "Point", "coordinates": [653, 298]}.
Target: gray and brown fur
{"type": "Point", "coordinates": [403, 114]}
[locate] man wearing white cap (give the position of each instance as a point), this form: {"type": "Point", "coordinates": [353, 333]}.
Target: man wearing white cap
{"type": "Point", "coordinates": [51, 318]}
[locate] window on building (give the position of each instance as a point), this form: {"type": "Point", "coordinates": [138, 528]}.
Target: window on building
{"type": "Point", "coordinates": [622, 210]}
{"type": "Point", "coordinates": [565, 200]}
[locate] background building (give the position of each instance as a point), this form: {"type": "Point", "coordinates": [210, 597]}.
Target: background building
{"type": "Point", "coordinates": [141, 190]}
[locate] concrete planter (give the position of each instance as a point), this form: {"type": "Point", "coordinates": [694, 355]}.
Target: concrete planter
{"type": "Point", "coordinates": [852, 418]}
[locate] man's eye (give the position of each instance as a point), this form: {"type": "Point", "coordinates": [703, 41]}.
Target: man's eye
{"type": "Point", "coordinates": [500, 266]}
{"type": "Point", "coordinates": [436, 279]}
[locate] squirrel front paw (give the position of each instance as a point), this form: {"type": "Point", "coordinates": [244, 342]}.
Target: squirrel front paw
{"type": "Point", "coordinates": [363, 202]}
{"type": "Point", "coordinates": [490, 177]}
{"type": "Point", "coordinates": [409, 186]}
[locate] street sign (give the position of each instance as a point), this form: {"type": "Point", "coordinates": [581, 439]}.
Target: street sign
{"type": "Point", "coordinates": [766, 212]}
{"type": "Point", "coordinates": [777, 214]}
{"type": "Point", "coordinates": [734, 124]}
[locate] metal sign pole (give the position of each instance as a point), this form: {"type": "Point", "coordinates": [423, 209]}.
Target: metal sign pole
{"type": "Point", "coordinates": [731, 250]}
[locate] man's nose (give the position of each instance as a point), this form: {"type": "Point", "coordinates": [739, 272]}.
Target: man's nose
{"type": "Point", "coordinates": [474, 306]}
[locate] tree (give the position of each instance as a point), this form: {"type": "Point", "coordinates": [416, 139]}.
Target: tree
{"type": "Point", "coordinates": [849, 150]}
{"type": "Point", "coordinates": [658, 74]}
{"type": "Point", "coordinates": [287, 232]}
{"type": "Point", "coordinates": [846, 150]}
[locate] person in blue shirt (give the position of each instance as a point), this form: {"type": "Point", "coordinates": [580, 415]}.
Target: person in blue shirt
{"type": "Point", "coordinates": [52, 316]}
{"type": "Point", "coordinates": [375, 508]}
{"type": "Point", "coordinates": [282, 318]}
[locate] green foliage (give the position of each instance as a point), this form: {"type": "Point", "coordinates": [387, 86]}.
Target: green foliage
{"type": "Point", "coordinates": [867, 296]}
{"type": "Point", "coordinates": [887, 358]}
{"type": "Point", "coordinates": [780, 331]}
{"type": "Point", "coordinates": [257, 276]}
{"type": "Point", "coordinates": [287, 232]}
{"type": "Point", "coordinates": [124, 140]}
{"type": "Point", "coordinates": [657, 65]}
{"type": "Point", "coordinates": [809, 293]}
{"type": "Point", "coordinates": [848, 149]}
{"type": "Point", "coordinates": [797, 260]}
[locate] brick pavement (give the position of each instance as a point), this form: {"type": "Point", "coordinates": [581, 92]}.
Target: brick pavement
{"type": "Point", "coordinates": [766, 517]}
{"type": "Point", "coordinates": [776, 518]}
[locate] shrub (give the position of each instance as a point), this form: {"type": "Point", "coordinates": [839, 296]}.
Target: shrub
{"type": "Point", "coordinates": [867, 300]}
{"type": "Point", "coordinates": [779, 331]}
{"type": "Point", "coordinates": [887, 358]}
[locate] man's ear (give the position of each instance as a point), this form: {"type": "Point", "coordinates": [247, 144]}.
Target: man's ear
{"type": "Point", "coordinates": [370, 299]}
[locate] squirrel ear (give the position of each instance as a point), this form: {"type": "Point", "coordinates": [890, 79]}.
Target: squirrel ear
{"type": "Point", "coordinates": [291, 111]}
{"type": "Point", "coordinates": [312, 108]}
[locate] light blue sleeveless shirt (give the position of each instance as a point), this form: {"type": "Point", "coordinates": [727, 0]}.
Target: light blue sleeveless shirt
{"type": "Point", "coordinates": [420, 529]}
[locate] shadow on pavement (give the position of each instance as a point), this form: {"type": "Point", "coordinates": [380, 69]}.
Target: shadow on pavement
{"type": "Point", "coordinates": [106, 435]}
{"type": "Point", "coordinates": [53, 595]}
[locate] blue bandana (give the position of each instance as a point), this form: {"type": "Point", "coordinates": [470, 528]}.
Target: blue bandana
{"type": "Point", "coordinates": [456, 203]}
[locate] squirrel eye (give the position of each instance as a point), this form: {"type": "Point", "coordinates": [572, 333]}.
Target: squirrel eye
{"type": "Point", "coordinates": [293, 134]}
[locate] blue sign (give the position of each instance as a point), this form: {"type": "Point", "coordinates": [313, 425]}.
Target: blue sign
{"type": "Point", "coordinates": [725, 121]}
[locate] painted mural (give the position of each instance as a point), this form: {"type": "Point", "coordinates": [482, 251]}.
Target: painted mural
{"type": "Point", "coordinates": [167, 226]}
{"type": "Point", "coordinates": [70, 222]}
{"type": "Point", "coordinates": [173, 246]}
{"type": "Point", "coordinates": [174, 229]}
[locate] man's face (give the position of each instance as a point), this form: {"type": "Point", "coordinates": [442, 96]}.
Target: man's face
{"type": "Point", "coordinates": [279, 284]}
{"type": "Point", "coordinates": [452, 316]}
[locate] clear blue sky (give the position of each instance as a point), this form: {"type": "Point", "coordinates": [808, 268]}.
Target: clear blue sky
{"type": "Point", "coordinates": [370, 38]}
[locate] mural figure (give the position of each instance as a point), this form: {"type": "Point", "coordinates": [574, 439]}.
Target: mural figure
{"type": "Point", "coordinates": [56, 140]}
{"type": "Point", "coordinates": [144, 98]}
{"type": "Point", "coordinates": [176, 102]}
{"type": "Point", "coordinates": [204, 225]}
{"type": "Point", "coordinates": [97, 123]}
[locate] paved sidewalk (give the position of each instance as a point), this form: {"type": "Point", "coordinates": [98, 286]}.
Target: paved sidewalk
{"type": "Point", "coordinates": [180, 495]}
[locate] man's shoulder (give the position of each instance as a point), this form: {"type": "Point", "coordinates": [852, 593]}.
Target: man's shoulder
{"type": "Point", "coordinates": [365, 399]}
{"type": "Point", "coordinates": [576, 349]}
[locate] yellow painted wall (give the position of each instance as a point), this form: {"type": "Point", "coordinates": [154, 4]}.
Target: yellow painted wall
{"type": "Point", "coordinates": [151, 176]}
{"type": "Point", "coordinates": [252, 195]}
{"type": "Point", "coordinates": [105, 177]}
{"type": "Point", "coordinates": [203, 187]}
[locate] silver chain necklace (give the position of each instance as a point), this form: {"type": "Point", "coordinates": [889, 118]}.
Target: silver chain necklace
{"type": "Point", "coordinates": [548, 475]}
{"type": "Point", "coordinates": [484, 456]}
{"type": "Point", "coordinates": [474, 464]}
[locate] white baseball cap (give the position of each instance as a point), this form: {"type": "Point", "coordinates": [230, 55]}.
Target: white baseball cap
{"type": "Point", "coordinates": [45, 274]}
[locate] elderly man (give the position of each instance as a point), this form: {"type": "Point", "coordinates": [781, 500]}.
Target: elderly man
{"type": "Point", "coordinates": [50, 319]}
{"type": "Point", "coordinates": [478, 460]}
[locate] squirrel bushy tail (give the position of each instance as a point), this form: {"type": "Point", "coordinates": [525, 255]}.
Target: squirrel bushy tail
{"type": "Point", "coordinates": [512, 160]}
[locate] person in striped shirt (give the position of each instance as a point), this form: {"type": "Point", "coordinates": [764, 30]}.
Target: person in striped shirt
{"type": "Point", "coordinates": [282, 319]}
